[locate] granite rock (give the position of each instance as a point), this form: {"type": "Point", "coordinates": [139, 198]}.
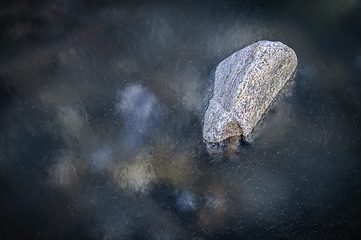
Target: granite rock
{"type": "Point", "coordinates": [245, 84]}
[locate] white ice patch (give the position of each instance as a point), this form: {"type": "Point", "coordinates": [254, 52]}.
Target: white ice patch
{"type": "Point", "coordinates": [139, 108]}
{"type": "Point", "coordinates": [187, 201]}
{"type": "Point", "coordinates": [64, 172]}
{"type": "Point", "coordinates": [70, 125]}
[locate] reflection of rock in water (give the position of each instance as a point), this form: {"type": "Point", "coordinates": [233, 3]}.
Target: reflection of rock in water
{"type": "Point", "coordinates": [245, 84]}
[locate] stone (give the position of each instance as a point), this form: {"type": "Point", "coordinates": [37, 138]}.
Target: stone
{"type": "Point", "coordinates": [245, 84]}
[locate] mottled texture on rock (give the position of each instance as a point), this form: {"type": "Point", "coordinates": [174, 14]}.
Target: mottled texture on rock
{"type": "Point", "coordinates": [245, 85]}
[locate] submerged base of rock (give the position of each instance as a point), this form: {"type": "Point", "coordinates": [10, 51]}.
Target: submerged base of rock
{"type": "Point", "coordinates": [245, 84]}
{"type": "Point", "coordinates": [227, 149]}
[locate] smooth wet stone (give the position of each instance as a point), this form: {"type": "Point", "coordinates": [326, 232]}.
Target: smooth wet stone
{"type": "Point", "coordinates": [245, 84]}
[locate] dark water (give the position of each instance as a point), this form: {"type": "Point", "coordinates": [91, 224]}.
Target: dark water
{"type": "Point", "coordinates": [101, 132]}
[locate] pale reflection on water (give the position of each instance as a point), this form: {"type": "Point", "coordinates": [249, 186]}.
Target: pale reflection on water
{"type": "Point", "coordinates": [101, 132]}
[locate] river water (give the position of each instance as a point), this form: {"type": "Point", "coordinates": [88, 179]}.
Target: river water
{"type": "Point", "coordinates": [101, 129]}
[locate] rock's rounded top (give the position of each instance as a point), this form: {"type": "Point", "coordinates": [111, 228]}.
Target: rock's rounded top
{"type": "Point", "coordinates": [245, 84]}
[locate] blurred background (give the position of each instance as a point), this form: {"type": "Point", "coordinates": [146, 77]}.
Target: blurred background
{"type": "Point", "coordinates": [101, 125]}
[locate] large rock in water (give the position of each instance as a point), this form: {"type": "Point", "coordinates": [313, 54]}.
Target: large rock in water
{"type": "Point", "coordinates": [245, 85]}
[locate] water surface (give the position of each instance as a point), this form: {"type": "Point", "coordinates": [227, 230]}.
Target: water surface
{"type": "Point", "coordinates": [101, 131]}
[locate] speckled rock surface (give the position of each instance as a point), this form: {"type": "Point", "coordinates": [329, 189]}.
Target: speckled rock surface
{"type": "Point", "coordinates": [245, 85]}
